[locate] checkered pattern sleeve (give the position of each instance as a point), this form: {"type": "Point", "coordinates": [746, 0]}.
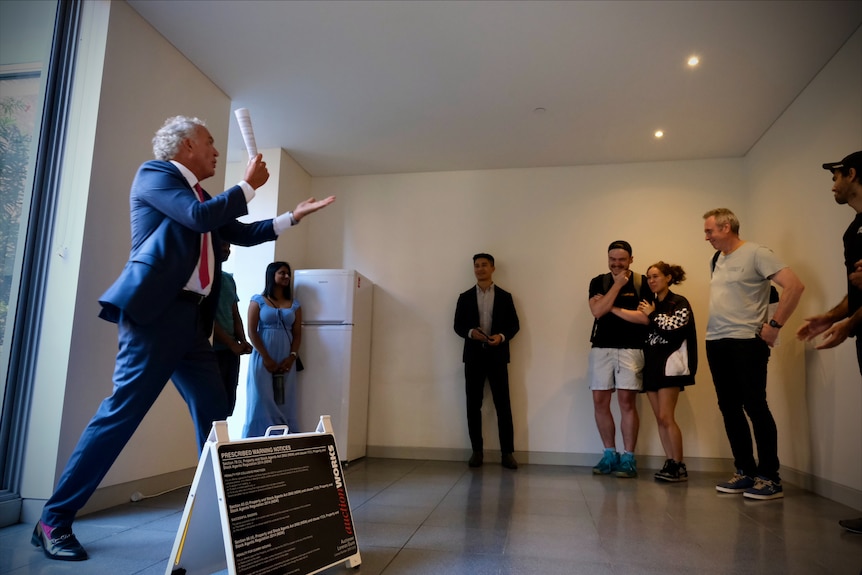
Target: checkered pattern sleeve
{"type": "Point", "coordinates": [673, 321]}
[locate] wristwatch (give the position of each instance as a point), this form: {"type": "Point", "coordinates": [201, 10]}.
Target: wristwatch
{"type": "Point", "coordinates": [775, 324]}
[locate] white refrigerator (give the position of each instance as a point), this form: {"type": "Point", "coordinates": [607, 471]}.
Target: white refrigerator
{"type": "Point", "coordinates": [336, 354]}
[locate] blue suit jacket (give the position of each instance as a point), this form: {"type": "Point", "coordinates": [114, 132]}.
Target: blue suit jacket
{"type": "Point", "coordinates": [167, 220]}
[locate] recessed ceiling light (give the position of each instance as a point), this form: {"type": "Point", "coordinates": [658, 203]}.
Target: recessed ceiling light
{"type": "Point", "coordinates": [693, 61]}
{"type": "Point", "coordinates": [539, 110]}
{"type": "Point", "coordinates": [659, 134]}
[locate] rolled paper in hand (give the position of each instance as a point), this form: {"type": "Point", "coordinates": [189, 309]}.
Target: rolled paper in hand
{"type": "Point", "coordinates": [244, 119]}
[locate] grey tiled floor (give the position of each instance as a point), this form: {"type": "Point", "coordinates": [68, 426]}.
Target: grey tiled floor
{"type": "Point", "coordinates": [432, 517]}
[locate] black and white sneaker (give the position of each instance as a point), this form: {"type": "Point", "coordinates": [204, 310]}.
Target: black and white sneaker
{"type": "Point", "coordinates": [665, 471]}
{"type": "Point", "coordinates": [672, 472]}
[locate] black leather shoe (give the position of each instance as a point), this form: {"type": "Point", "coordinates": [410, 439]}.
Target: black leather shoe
{"type": "Point", "coordinates": [852, 525]}
{"type": "Point", "coordinates": [62, 545]}
{"type": "Point", "coordinates": [476, 459]}
{"type": "Point", "coordinates": [509, 461]}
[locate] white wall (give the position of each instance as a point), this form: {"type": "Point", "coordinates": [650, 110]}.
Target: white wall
{"type": "Point", "coordinates": [549, 229]}
{"type": "Point", "coordinates": [819, 397]}
{"type": "Point", "coordinates": [413, 235]}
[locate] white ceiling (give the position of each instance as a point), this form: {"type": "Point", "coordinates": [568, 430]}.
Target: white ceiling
{"type": "Point", "coordinates": [384, 87]}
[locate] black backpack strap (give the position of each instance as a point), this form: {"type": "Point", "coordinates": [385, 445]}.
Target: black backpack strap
{"type": "Point", "coordinates": [714, 259]}
{"type": "Point", "coordinates": [606, 282]}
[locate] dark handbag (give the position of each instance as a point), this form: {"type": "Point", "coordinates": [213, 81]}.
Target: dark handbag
{"type": "Point", "coordinates": [298, 362]}
{"type": "Point", "coordinates": [278, 388]}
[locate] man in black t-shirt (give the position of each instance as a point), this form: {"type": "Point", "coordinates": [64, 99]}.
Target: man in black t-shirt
{"type": "Point", "coordinates": [616, 358]}
{"type": "Point", "coordinates": [845, 319]}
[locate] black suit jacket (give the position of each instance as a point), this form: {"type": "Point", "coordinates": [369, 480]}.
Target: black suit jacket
{"type": "Point", "coordinates": [167, 220]}
{"type": "Point", "coordinates": [504, 320]}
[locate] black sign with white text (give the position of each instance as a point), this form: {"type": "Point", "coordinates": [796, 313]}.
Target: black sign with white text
{"type": "Point", "coordinates": [286, 504]}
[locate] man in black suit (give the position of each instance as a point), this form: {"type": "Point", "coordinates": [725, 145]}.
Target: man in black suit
{"type": "Point", "coordinates": [486, 318]}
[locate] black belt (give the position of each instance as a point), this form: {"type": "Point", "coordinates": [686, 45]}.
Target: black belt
{"type": "Point", "coordinates": [190, 296]}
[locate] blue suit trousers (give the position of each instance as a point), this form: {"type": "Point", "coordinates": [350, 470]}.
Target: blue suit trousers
{"type": "Point", "coordinates": [175, 347]}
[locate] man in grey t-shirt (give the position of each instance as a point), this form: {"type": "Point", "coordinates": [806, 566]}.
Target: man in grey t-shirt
{"type": "Point", "coordinates": [739, 336]}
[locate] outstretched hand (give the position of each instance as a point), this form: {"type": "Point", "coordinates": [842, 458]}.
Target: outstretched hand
{"type": "Point", "coordinates": [835, 335]}
{"type": "Point", "coordinates": [310, 206]}
{"type": "Point", "coordinates": [813, 327]}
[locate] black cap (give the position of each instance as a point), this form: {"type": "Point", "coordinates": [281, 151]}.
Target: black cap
{"type": "Point", "coordinates": [621, 245]}
{"type": "Point", "coordinates": [854, 160]}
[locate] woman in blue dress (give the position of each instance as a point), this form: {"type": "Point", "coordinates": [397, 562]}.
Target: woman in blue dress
{"type": "Point", "coordinates": [275, 331]}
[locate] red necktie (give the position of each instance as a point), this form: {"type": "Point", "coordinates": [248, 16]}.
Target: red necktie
{"type": "Point", "coordinates": [204, 268]}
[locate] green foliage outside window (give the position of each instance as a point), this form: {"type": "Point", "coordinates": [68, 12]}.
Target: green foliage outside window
{"type": "Point", "coordinates": [14, 159]}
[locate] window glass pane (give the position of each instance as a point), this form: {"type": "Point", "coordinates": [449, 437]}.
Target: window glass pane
{"type": "Point", "coordinates": [26, 36]}
{"type": "Point", "coordinates": [26, 31]}
{"type": "Point", "coordinates": [18, 121]}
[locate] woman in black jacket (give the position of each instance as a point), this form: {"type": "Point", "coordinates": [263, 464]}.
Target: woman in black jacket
{"type": "Point", "coordinates": [670, 360]}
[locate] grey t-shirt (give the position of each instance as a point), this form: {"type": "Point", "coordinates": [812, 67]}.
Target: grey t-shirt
{"type": "Point", "coordinates": [739, 292]}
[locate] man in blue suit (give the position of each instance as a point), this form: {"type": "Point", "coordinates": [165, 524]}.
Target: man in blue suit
{"type": "Point", "coordinates": [163, 304]}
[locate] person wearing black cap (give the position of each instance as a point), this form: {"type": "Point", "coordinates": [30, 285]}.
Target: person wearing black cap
{"type": "Point", "coordinates": [616, 359]}
{"type": "Point", "coordinates": [739, 335]}
{"type": "Point", "coordinates": [845, 319]}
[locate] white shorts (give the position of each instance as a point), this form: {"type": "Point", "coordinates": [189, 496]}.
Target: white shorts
{"type": "Point", "coordinates": [612, 368]}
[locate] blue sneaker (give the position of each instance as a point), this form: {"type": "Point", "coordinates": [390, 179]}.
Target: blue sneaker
{"type": "Point", "coordinates": [628, 466]}
{"type": "Point", "coordinates": [764, 489]}
{"type": "Point", "coordinates": [739, 483]}
{"type": "Point", "coordinates": [609, 463]}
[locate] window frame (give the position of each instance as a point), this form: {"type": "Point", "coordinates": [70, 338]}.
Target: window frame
{"type": "Point", "coordinates": [28, 317]}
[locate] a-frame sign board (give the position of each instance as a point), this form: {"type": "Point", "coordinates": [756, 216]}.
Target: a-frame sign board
{"type": "Point", "coordinates": [268, 505]}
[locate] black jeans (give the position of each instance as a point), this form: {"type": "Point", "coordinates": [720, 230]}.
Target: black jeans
{"type": "Point", "coordinates": [228, 365]}
{"type": "Point", "coordinates": [738, 369]}
{"type": "Point", "coordinates": [497, 374]}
